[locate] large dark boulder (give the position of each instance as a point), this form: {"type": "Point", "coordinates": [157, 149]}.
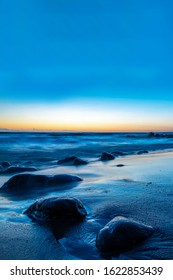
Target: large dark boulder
{"type": "Point", "coordinates": [106, 156]}
{"type": "Point", "coordinates": [79, 161]}
{"type": "Point", "coordinates": [56, 209]}
{"type": "Point", "coordinates": [63, 179]}
{"type": "Point", "coordinates": [29, 181]}
{"type": "Point", "coordinates": [17, 169]}
{"type": "Point", "coordinates": [121, 234]}
{"type": "Point", "coordinates": [73, 160]}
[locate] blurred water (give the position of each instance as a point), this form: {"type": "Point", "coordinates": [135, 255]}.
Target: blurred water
{"type": "Point", "coordinates": [34, 141]}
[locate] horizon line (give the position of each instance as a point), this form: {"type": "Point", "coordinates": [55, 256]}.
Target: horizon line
{"type": "Point", "coordinates": [84, 131]}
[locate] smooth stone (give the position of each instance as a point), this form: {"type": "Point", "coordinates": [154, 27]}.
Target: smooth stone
{"type": "Point", "coordinates": [142, 152]}
{"type": "Point", "coordinates": [16, 169]}
{"type": "Point", "coordinates": [55, 209]}
{"type": "Point", "coordinates": [28, 181]}
{"type": "Point", "coordinates": [73, 160]}
{"type": "Point", "coordinates": [5, 164]}
{"type": "Point", "coordinates": [67, 160]}
{"type": "Point", "coordinates": [79, 161]}
{"type": "Point", "coordinates": [121, 234]}
{"type": "Point", "coordinates": [106, 156]}
{"type": "Point", "coordinates": [63, 179]}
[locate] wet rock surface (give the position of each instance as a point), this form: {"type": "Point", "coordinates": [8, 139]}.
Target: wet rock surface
{"type": "Point", "coordinates": [106, 156]}
{"type": "Point", "coordinates": [17, 169]}
{"type": "Point", "coordinates": [119, 165]}
{"type": "Point", "coordinates": [121, 234]}
{"type": "Point", "coordinates": [73, 160]}
{"type": "Point", "coordinates": [29, 181]}
{"type": "Point", "coordinates": [56, 208]}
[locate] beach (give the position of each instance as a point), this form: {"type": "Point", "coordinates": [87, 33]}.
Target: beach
{"type": "Point", "coordinates": [136, 184]}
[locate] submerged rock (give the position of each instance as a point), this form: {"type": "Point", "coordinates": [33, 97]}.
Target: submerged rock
{"type": "Point", "coordinates": [121, 234]}
{"type": "Point", "coordinates": [159, 135]}
{"type": "Point", "coordinates": [106, 156]}
{"type": "Point", "coordinates": [55, 209]}
{"type": "Point", "coordinates": [119, 165]}
{"type": "Point", "coordinates": [152, 134]}
{"type": "Point", "coordinates": [28, 181]}
{"type": "Point", "coordinates": [5, 164]}
{"type": "Point", "coordinates": [73, 160]}
{"type": "Point", "coordinates": [142, 152]}
{"type": "Point", "coordinates": [16, 169]}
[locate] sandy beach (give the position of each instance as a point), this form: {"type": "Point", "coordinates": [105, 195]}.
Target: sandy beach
{"type": "Point", "coordinates": [135, 186]}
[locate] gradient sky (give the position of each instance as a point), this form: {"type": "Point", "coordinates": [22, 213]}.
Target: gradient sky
{"type": "Point", "coordinates": [86, 65]}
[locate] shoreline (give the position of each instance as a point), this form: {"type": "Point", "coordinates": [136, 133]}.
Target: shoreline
{"type": "Point", "coordinates": [140, 190]}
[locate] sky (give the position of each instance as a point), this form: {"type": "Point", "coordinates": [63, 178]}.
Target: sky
{"type": "Point", "coordinates": [86, 65]}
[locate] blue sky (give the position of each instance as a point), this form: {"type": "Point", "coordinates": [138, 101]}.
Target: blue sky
{"type": "Point", "coordinates": [87, 51]}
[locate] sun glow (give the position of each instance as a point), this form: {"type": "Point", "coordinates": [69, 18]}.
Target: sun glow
{"type": "Point", "coordinates": [80, 117]}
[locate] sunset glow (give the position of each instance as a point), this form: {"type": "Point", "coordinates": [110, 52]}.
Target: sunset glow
{"type": "Point", "coordinates": [77, 117]}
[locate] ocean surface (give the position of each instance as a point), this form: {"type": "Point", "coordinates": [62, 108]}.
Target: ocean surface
{"type": "Point", "coordinates": [42, 152]}
{"type": "Point", "coordinates": [54, 141]}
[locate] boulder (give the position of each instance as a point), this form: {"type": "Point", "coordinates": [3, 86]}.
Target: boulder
{"type": "Point", "coordinates": [79, 161]}
{"type": "Point", "coordinates": [67, 160]}
{"type": "Point", "coordinates": [17, 169]}
{"type": "Point", "coordinates": [56, 209]}
{"type": "Point", "coordinates": [63, 179]}
{"type": "Point", "coordinates": [121, 234]}
{"type": "Point", "coordinates": [73, 160]}
{"type": "Point", "coordinates": [106, 156]}
{"type": "Point", "coordinates": [29, 181]}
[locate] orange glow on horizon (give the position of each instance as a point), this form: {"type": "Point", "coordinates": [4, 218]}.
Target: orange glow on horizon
{"type": "Point", "coordinates": [116, 118]}
{"type": "Point", "coordinates": [86, 127]}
